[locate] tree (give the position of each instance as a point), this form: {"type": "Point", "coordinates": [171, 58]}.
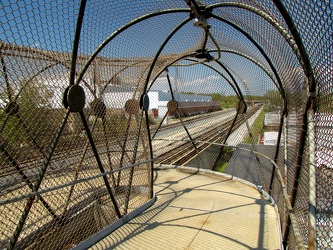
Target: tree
{"type": "Point", "coordinates": [273, 100]}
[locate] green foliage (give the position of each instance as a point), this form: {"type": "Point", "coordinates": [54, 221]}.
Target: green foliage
{"type": "Point", "coordinates": [13, 131]}
{"type": "Point", "coordinates": [257, 127]}
{"type": "Point", "coordinates": [223, 159]}
{"type": "Point", "coordinates": [272, 100]}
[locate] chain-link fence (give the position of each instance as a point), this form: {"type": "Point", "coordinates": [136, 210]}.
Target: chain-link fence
{"type": "Point", "coordinates": [92, 91]}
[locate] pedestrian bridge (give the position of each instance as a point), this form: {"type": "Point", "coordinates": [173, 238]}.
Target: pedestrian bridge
{"type": "Point", "coordinates": [94, 94]}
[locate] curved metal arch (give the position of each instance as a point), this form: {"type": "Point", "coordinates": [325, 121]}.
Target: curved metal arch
{"type": "Point", "coordinates": [288, 38]}
{"type": "Point", "coordinates": [261, 50]}
{"type": "Point", "coordinates": [115, 75]}
{"type": "Point", "coordinates": [221, 74]}
{"type": "Point", "coordinates": [184, 57]}
{"type": "Point", "coordinates": [299, 43]}
{"type": "Point", "coordinates": [119, 31]}
{"type": "Point", "coordinates": [255, 62]}
{"type": "Point", "coordinates": [76, 41]}
{"type": "Point", "coordinates": [168, 65]}
{"type": "Point", "coordinates": [233, 79]}
{"type": "Point", "coordinates": [307, 118]}
{"type": "Point", "coordinates": [5, 75]}
{"type": "Point", "coordinates": [162, 47]}
{"type": "Point", "coordinates": [20, 91]}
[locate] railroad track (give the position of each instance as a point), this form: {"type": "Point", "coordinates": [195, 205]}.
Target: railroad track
{"type": "Point", "coordinates": [191, 119]}
{"type": "Point", "coordinates": [182, 154]}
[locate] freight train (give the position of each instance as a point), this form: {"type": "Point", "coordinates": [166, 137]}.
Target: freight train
{"type": "Point", "coordinates": [193, 108]}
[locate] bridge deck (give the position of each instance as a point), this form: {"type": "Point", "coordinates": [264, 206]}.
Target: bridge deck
{"type": "Point", "coordinates": [200, 211]}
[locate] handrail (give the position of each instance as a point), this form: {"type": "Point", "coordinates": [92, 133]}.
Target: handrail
{"type": "Point", "coordinates": [292, 216]}
{"type": "Point", "coordinates": [42, 191]}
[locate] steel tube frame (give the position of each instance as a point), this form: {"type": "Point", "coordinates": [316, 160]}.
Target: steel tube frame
{"type": "Point", "coordinates": [28, 182]}
{"type": "Point", "coordinates": [119, 31]}
{"type": "Point", "coordinates": [30, 200]}
{"type": "Point", "coordinates": [99, 163]}
{"type": "Point", "coordinates": [312, 238]}
{"type": "Point", "coordinates": [261, 50]}
{"type": "Point", "coordinates": [136, 144]}
{"type": "Point", "coordinates": [311, 105]}
{"type": "Point", "coordinates": [160, 50]}
{"type": "Point", "coordinates": [289, 39]}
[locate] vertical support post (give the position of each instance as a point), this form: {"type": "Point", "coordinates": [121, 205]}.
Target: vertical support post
{"type": "Point", "coordinates": [191, 139]}
{"type": "Point", "coordinates": [312, 182]}
{"type": "Point", "coordinates": [100, 165]}
{"type": "Point", "coordinates": [285, 161]}
{"type": "Point", "coordinates": [253, 149]}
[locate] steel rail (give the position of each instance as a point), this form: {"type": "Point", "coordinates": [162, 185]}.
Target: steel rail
{"type": "Point", "coordinates": [182, 149]}
{"type": "Point", "coordinates": [47, 190]}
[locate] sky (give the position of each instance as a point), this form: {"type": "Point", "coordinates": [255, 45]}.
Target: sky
{"type": "Point", "coordinates": [50, 25]}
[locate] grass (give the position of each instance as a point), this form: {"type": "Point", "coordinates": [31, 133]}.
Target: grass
{"type": "Point", "coordinates": [223, 160]}
{"type": "Point", "coordinates": [257, 127]}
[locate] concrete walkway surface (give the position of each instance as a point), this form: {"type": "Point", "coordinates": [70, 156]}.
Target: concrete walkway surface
{"type": "Point", "coordinates": [200, 210]}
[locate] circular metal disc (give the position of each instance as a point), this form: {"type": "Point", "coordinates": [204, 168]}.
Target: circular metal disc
{"type": "Point", "coordinates": [132, 107]}
{"type": "Point", "coordinates": [172, 106]}
{"type": "Point", "coordinates": [76, 98]}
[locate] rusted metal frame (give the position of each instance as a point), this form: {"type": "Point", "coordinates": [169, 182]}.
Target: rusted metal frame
{"type": "Point", "coordinates": [297, 174]}
{"type": "Point", "coordinates": [312, 237]}
{"type": "Point", "coordinates": [161, 48]}
{"type": "Point", "coordinates": [151, 172]}
{"type": "Point", "coordinates": [123, 148]}
{"type": "Point", "coordinates": [173, 98]}
{"type": "Point", "coordinates": [120, 30]}
{"type": "Point", "coordinates": [281, 89]}
{"type": "Point", "coordinates": [205, 39]}
{"type": "Point", "coordinates": [277, 150]}
{"type": "Point", "coordinates": [28, 181]}
{"type": "Point", "coordinates": [287, 37]}
{"type": "Point", "coordinates": [189, 136]}
{"type": "Point", "coordinates": [30, 201]}
{"type": "Point", "coordinates": [261, 50]}
{"type": "Point", "coordinates": [76, 42]}
{"type": "Point", "coordinates": [136, 144]}
{"type": "Point", "coordinates": [285, 149]}
{"type": "Point", "coordinates": [78, 168]}
{"type": "Point", "coordinates": [256, 156]}
{"type": "Point", "coordinates": [5, 75]}
{"type": "Point", "coordinates": [108, 150]}
{"type": "Point", "coordinates": [99, 163]}
{"type": "Point", "coordinates": [310, 106]}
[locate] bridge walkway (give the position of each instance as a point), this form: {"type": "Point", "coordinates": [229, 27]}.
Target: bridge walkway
{"type": "Point", "coordinates": [200, 210]}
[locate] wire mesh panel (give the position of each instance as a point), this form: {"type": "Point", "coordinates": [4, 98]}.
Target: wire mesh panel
{"type": "Point", "coordinates": [93, 91]}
